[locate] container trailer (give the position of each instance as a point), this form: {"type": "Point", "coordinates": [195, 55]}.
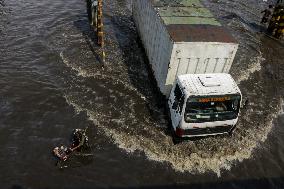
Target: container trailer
{"type": "Point", "coordinates": [182, 37]}
{"type": "Point", "coordinates": [189, 49]}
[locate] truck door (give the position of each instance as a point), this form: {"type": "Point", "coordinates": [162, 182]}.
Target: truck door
{"type": "Point", "coordinates": [176, 105]}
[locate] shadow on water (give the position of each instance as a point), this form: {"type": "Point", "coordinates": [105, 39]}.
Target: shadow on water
{"type": "Point", "coordinates": [136, 60]}
{"type": "Point", "coordinates": [137, 64]}
{"type": "Point", "coordinates": [263, 183]}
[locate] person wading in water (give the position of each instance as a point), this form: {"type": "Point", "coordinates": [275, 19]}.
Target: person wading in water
{"type": "Point", "coordinates": [79, 141]}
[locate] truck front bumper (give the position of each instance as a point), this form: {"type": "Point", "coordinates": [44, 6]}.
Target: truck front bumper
{"type": "Point", "coordinates": [208, 131]}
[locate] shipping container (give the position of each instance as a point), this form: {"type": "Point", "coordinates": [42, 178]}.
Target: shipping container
{"type": "Point", "coordinates": [182, 37]}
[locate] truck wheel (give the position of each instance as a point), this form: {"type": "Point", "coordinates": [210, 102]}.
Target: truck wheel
{"type": "Point", "coordinates": [176, 139]}
{"type": "Point", "coordinates": [232, 131]}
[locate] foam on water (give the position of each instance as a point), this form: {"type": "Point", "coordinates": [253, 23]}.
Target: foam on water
{"type": "Point", "coordinates": [253, 67]}
{"type": "Point", "coordinates": [81, 72]}
{"type": "Point", "coordinates": [211, 154]}
{"type": "Point", "coordinates": [182, 160]}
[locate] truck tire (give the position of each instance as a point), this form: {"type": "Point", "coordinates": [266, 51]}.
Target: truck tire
{"type": "Point", "coordinates": [176, 139]}
{"type": "Point", "coordinates": [232, 131]}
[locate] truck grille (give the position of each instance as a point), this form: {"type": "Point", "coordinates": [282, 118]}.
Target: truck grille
{"type": "Point", "coordinates": [208, 130]}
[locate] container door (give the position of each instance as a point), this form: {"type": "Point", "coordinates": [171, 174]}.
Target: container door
{"type": "Point", "coordinates": [176, 105]}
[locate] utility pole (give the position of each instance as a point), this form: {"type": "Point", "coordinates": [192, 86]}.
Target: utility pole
{"type": "Point", "coordinates": [95, 16]}
{"type": "Point", "coordinates": [100, 31]}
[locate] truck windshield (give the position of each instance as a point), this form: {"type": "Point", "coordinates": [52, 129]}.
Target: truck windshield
{"type": "Point", "coordinates": [209, 109]}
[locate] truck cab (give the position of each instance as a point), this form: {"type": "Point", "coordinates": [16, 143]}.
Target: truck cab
{"type": "Point", "coordinates": [204, 104]}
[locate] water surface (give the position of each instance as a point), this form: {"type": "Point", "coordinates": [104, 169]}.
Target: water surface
{"type": "Point", "coordinates": [52, 81]}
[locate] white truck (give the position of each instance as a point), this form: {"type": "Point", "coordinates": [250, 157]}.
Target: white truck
{"type": "Point", "coordinates": [204, 104]}
{"type": "Point", "coordinates": [189, 49]}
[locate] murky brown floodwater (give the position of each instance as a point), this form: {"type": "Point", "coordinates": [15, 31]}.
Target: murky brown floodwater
{"type": "Point", "coordinates": [51, 82]}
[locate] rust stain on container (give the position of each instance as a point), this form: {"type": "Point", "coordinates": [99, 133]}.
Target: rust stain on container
{"type": "Point", "coordinates": [199, 33]}
{"type": "Point", "coordinates": [190, 21]}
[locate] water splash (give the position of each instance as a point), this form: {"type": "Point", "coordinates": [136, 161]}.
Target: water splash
{"type": "Point", "coordinates": [210, 154]}
{"type": "Point", "coordinates": [254, 66]}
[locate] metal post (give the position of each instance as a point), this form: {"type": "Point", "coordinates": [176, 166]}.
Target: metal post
{"type": "Point", "coordinates": [100, 32]}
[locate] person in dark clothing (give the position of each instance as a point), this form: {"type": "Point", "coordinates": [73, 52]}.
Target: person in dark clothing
{"type": "Point", "coordinates": [92, 11]}
{"type": "Point", "coordinates": [267, 13]}
{"type": "Point", "coordinates": [79, 141]}
{"type": "Point", "coordinates": [89, 9]}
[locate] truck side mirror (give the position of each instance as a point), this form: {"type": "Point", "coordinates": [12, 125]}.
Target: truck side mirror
{"type": "Point", "coordinates": [175, 105]}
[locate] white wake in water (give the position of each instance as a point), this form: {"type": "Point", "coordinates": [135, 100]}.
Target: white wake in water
{"type": "Point", "coordinates": [211, 154]}
{"type": "Point", "coordinates": [255, 66]}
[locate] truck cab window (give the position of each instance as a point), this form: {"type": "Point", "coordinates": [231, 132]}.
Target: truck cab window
{"type": "Point", "coordinates": [198, 111]}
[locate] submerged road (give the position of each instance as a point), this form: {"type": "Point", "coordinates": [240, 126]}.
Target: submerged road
{"type": "Point", "coordinates": [51, 82]}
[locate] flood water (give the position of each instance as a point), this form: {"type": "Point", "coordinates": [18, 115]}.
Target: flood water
{"type": "Point", "coordinates": [52, 81]}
